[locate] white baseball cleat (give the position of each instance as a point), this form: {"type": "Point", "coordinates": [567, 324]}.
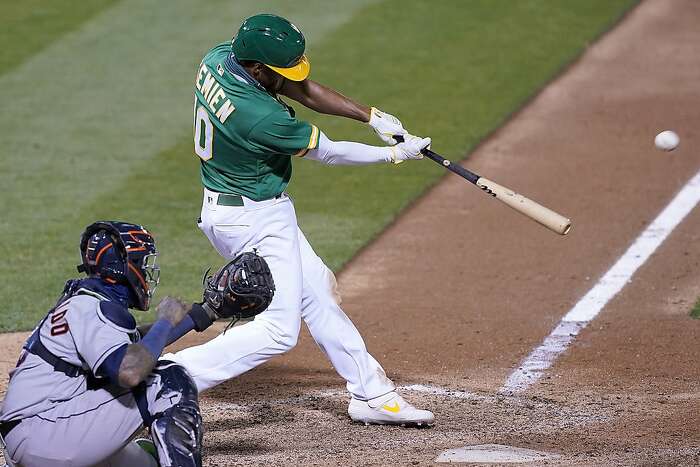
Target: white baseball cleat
{"type": "Point", "coordinates": [389, 409]}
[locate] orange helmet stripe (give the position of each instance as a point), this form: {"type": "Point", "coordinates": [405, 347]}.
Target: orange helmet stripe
{"type": "Point", "coordinates": [99, 253]}
{"type": "Point", "coordinates": [139, 276]}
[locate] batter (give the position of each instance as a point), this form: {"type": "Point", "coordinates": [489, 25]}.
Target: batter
{"type": "Point", "coordinates": [245, 136]}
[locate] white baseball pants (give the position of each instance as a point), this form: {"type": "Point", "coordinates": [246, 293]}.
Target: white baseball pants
{"type": "Point", "coordinates": [305, 288]}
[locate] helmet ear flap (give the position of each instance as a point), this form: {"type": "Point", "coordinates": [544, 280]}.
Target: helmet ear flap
{"type": "Point", "coordinates": [103, 252]}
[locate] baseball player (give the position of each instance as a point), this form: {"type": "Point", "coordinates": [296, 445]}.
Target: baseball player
{"type": "Point", "coordinates": [246, 136]}
{"type": "Point", "coordinates": [88, 379]}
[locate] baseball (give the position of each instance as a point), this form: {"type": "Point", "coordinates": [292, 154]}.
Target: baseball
{"type": "Point", "coordinates": [667, 140]}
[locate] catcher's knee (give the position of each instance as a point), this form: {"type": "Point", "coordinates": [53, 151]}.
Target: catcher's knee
{"type": "Point", "coordinates": [177, 431]}
{"type": "Point", "coordinates": [175, 379]}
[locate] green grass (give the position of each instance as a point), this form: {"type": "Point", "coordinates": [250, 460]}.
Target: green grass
{"type": "Point", "coordinates": [30, 26]}
{"type": "Point", "coordinates": [695, 312]}
{"type": "Point", "coordinates": [108, 135]}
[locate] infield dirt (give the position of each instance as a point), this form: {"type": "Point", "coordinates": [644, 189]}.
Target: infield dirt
{"type": "Point", "coordinates": [460, 288]}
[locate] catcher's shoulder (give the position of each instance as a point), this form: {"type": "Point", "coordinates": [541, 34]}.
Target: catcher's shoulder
{"type": "Point", "coordinates": [116, 315]}
{"type": "Point", "coordinates": [84, 308]}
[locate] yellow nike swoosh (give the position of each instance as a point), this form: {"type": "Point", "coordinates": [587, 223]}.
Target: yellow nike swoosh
{"type": "Point", "coordinates": [394, 409]}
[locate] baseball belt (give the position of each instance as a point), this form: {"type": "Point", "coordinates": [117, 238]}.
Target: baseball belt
{"type": "Point", "coordinates": [227, 199]}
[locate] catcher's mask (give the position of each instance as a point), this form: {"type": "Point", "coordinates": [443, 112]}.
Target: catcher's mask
{"type": "Point", "coordinates": [244, 287]}
{"type": "Point", "coordinates": [122, 253]}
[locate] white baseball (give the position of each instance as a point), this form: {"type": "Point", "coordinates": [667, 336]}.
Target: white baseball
{"type": "Point", "coordinates": [667, 140]}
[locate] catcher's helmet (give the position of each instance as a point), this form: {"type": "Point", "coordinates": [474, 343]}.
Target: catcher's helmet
{"type": "Point", "coordinates": [122, 253]}
{"type": "Point", "coordinates": [275, 42]}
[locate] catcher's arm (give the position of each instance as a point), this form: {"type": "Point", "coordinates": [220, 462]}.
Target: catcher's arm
{"type": "Point", "coordinates": [242, 288]}
{"type": "Point", "coordinates": [129, 365]}
{"type": "Point", "coordinates": [185, 326]}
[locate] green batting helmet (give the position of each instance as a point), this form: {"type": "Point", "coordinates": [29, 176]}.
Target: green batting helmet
{"type": "Point", "coordinates": [275, 42]}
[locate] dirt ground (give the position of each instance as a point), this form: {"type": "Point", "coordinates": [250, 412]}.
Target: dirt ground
{"type": "Point", "coordinates": [460, 289]}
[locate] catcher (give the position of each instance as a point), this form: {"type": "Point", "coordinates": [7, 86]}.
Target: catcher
{"type": "Point", "coordinates": [88, 379]}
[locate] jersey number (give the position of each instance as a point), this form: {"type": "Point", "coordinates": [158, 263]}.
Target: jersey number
{"type": "Point", "coordinates": [203, 134]}
{"type": "Point", "coordinates": [58, 327]}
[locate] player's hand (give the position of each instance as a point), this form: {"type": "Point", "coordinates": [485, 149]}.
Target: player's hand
{"type": "Point", "coordinates": [172, 309]}
{"type": "Point", "coordinates": [386, 126]}
{"type": "Point", "coordinates": [410, 148]}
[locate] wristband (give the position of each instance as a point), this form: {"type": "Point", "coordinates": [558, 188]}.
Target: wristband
{"type": "Point", "coordinates": [202, 320]}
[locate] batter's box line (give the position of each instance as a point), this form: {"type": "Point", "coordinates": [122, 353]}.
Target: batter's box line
{"type": "Point", "coordinates": [429, 390]}
{"type": "Point", "coordinates": [553, 408]}
{"type": "Point", "coordinates": [534, 366]}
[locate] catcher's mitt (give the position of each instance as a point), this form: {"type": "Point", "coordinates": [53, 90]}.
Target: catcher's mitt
{"type": "Point", "coordinates": [241, 289]}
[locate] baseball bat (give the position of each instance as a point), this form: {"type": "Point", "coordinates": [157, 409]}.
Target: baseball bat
{"type": "Point", "coordinates": [535, 211]}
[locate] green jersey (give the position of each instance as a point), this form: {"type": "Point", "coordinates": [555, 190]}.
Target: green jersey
{"type": "Point", "coordinates": [244, 136]}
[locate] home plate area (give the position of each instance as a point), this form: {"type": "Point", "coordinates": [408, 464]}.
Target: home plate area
{"type": "Point", "coordinates": [493, 453]}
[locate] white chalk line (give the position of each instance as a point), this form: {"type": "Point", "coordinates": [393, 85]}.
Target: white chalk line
{"type": "Point", "coordinates": [432, 390]}
{"type": "Point", "coordinates": [343, 394]}
{"type": "Point", "coordinates": [439, 391]}
{"type": "Point", "coordinates": [534, 365]}
{"type": "Point", "coordinates": [566, 416]}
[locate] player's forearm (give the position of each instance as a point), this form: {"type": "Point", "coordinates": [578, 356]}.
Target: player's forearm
{"type": "Point", "coordinates": [325, 100]}
{"type": "Point", "coordinates": [183, 327]}
{"type": "Point", "coordinates": [140, 359]}
{"type": "Point", "coordinates": [348, 153]}
{"type": "Point", "coordinates": [137, 364]}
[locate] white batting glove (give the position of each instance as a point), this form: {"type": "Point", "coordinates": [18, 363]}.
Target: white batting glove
{"type": "Point", "coordinates": [385, 125]}
{"type": "Point", "coordinates": [410, 148]}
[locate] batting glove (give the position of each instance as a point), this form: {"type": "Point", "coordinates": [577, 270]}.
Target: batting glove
{"type": "Point", "coordinates": [385, 126]}
{"type": "Point", "coordinates": [410, 148]}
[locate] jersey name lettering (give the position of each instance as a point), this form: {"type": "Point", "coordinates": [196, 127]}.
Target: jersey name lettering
{"type": "Point", "coordinates": [213, 94]}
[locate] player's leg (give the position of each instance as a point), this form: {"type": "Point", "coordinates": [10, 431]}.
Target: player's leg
{"type": "Point", "coordinates": [374, 399]}
{"type": "Point", "coordinates": [271, 228]}
{"type": "Point", "coordinates": [94, 428]}
{"type": "Point", "coordinates": [333, 331]}
{"type": "Point", "coordinates": [129, 456]}
{"type": "Point", "coordinates": [175, 423]}
{"type": "Point", "coordinates": [177, 429]}
{"type": "Point", "coordinates": [83, 431]}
